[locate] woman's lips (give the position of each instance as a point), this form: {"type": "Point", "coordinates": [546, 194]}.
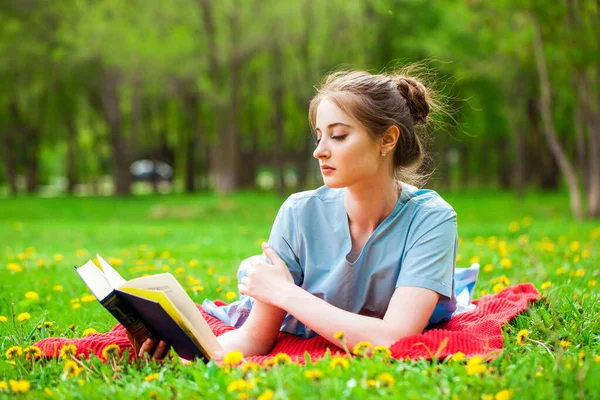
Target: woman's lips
{"type": "Point", "coordinates": [325, 169]}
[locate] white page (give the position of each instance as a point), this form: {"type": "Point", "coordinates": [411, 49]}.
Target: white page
{"type": "Point", "coordinates": [114, 278]}
{"type": "Point", "coordinates": [176, 293]}
{"type": "Point", "coordinates": [95, 280]}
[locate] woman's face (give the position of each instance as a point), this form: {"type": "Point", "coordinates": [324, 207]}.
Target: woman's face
{"type": "Point", "coordinates": [347, 155]}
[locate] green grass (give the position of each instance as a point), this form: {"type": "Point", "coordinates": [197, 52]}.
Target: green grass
{"type": "Point", "coordinates": [47, 237]}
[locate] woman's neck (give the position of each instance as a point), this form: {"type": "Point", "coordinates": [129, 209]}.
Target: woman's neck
{"type": "Point", "coordinates": [369, 203]}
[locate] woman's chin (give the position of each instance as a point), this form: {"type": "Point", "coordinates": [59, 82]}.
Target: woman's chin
{"type": "Point", "coordinates": [332, 183]}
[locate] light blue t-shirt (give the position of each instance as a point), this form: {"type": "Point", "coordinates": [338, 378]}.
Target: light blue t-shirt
{"type": "Point", "coordinates": [414, 246]}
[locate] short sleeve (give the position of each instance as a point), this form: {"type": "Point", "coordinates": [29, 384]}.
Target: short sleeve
{"type": "Point", "coordinates": [284, 240]}
{"type": "Point", "coordinates": [430, 259]}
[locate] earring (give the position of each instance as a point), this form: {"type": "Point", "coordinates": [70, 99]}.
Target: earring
{"type": "Point", "coordinates": [383, 153]}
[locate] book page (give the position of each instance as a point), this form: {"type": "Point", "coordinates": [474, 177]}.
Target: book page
{"type": "Point", "coordinates": [167, 284]}
{"type": "Point", "coordinates": [95, 280]}
{"type": "Point", "coordinates": [114, 278]}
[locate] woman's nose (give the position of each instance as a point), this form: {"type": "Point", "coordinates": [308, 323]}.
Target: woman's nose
{"type": "Point", "coordinates": [321, 151]}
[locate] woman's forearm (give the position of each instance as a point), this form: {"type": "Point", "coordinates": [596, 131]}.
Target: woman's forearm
{"type": "Point", "coordinates": [326, 320]}
{"type": "Point", "coordinates": [243, 340]}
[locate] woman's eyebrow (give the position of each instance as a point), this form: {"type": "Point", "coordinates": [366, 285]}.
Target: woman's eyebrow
{"type": "Point", "coordinates": [333, 125]}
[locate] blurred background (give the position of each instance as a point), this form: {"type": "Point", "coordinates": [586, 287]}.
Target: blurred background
{"type": "Point", "coordinates": [127, 97]}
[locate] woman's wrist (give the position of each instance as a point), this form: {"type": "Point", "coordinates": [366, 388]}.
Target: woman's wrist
{"type": "Point", "coordinates": [285, 295]}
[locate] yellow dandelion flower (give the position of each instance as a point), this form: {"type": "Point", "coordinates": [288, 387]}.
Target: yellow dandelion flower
{"type": "Point", "coordinates": [3, 318]}
{"type": "Point", "coordinates": [266, 395]}
{"type": "Point", "coordinates": [165, 268]}
{"type": "Point", "coordinates": [338, 361]}
{"type": "Point", "coordinates": [474, 259]}
{"type": "Point", "coordinates": [538, 374]}
{"type": "Point", "coordinates": [370, 383]}
{"type": "Point", "coordinates": [210, 270]}
{"type": "Point", "coordinates": [80, 252]}
{"type": "Point", "coordinates": [33, 352]}
{"type": "Point", "coordinates": [68, 351]}
{"type": "Point", "coordinates": [71, 369]}
{"type": "Point", "coordinates": [503, 395]}
{"type": "Point", "coordinates": [151, 377]}
{"type": "Point", "coordinates": [565, 344]}
{"type": "Point", "coordinates": [222, 280]}
{"type": "Point", "coordinates": [456, 357]}
{"type": "Point", "coordinates": [361, 348]}
{"type": "Point", "coordinates": [88, 298]}
{"type": "Point", "coordinates": [488, 268]}
{"type": "Point", "coordinates": [385, 379]}
{"type": "Point", "coordinates": [75, 300]}
{"type": "Point", "coordinates": [502, 249]}
{"type": "Point", "coordinates": [382, 351]}
{"type": "Point", "coordinates": [193, 263]}
{"type": "Point", "coordinates": [240, 385]}
{"type": "Point", "coordinates": [278, 359]}
{"type": "Point", "coordinates": [112, 350]}
{"type": "Point", "coordinates": [506, 263]}
{"type": "Point", "coordinates": [23, 317]}
{"type": "Point", "coordinates": [88, 331]}
{"type": "Point", "coordinates": [20, 386]}
{"type": "Point", "coordinates": [514, 226]}
{"type": "Point", "coordinates": [40, 262]}
{"type": "Point", "coordinates": [14, 352]}
{"type": "Point", "coordinates": [523, 337]}
{"type": "Point", "coordinates": [14, 267]}
{"type": "Point", "coordinates": [3, 385]}
{"type": "Point", "coordinates": [313, 374]}
{"type": "Point", "coordinates": [165, 254]}
{"type": "Point", "coordinates": [580, 272]}
{"type": "Point", "coordinates": [48, 324]}
{"type": "Point", "coordinates": [58, 257]}
{"type": "Point", "coordinates": [546, 285]}
{"type": "Point", "coordinates": [475, 365]}
{"type": "Point", "coordinates": [115, 262]}
{"type": "Point", "coordinates": [48, 392]}
{"type": "Point", "coordinates": [592, 283]}
{"type": "Point", "coordinates": [597, 359]}
{"type": "Point", "coordinates": [230, 296]}
{"type": "Point", "coordinates": [575, 246]}
{"type": "Point", "coordinates": [233, 358]}
{"type": "Point", "coordinates": [76, 306]}
{"type": "Point", "coordinates": [32, 295]}
{"type": "Point", "coordinates": [57, 288]}
{"type": "Point", "coordinates": [179, 270]}
{"type": "Point", "coordinates": [198, 288]}
{"type": "Point", "coordinates": [339, 335]}
{"type": "Point", "coordinates": [250, 367]}
{"type": "Point", "coordinates": [561, 270]}
{"type": "Point", "coordinates": [498, 287]}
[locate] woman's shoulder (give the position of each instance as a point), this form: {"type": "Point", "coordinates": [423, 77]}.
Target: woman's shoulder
{"type": "Point", "coordinates": [314, 198]}
{"type": "Point", "coordinates": [425, 201]}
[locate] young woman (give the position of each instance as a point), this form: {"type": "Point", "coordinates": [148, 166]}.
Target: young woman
{"type": "Point", "coordinates": [367, 253]}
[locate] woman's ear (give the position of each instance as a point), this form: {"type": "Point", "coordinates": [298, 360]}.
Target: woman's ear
{"type": "Point", "coordinates": [390, 138]}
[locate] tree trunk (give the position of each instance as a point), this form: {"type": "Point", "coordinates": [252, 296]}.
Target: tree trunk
{"type": "Point", "coordinates": [593, 194]}
{"type": "Point", "coordinates": [31, 139]}
{"type": "Point", "coordinates": [110, 107]}
{"type": "Point", "coordinates": [278, 122]}
{"type": "Point", "coordinates": [546, 110]}
{"type": "Point", "coordinates": [190, 103]}
{"type": "Point", "coordinates": [71, 136]}
{"type": "Point", "coordinates": [7, 139]}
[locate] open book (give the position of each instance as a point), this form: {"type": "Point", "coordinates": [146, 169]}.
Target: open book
{"type": "Point", "coordinates": [155, 306]}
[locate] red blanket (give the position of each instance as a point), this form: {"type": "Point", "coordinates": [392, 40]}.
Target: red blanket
{"type": "Point", "coordinates": [478, 332]}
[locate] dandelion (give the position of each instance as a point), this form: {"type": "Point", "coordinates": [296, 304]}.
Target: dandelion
{"type": "Point", "coordinates": [33, 352]}
{"type": "Point", "coordinates": [474, 259]}
{"type": "Point", "coordinates": [20, 386]}
{"type": "Point", "coordinates": [488, 268]}
{"type": "Point", "coordinates": [250, 367]}
{"type": "Point", "coordinates": [506, 263]}
{"type": "Point", "coordinates": [68, 351]}
{"type": "Point", "coordinates": [522, 337]}
{"type": "Point", "coordinates": [580, 272]}
{"type": "Point", "coordinates": [111, 351]}
{"type": "Point", "coordinates": [72, 369]}
{"type": "Point", "coordinates": [339, 362]}
{"type": "Point", "coordinates": [457, 357]}
{"type": "Point", "coordinates": [88, 331]}
{"type": "Point", "coordinates": [151, 377]}
{"type": "Point", "coordinates": [40, 262]}
{"type": "Point", "coordinates": [193, 263]}
{"type": "Point", "coordinates": [80, 252]}
{"type": "Point", "coordinates": [58, 257]}
{"type": "Point", "coordinates": [503, 395]}
{"type": "Point", "coordinates": [14, 352]}
{"type": "Point", "coordinates": [339, 335]}
{"type": "Point", "coordinates": [592, 283]}
{"type": "Point", "coordinates": [233, 358]}
{"type": "Point", "coordinates": [115, 262]}
{"type": "Point", "coordinates": [498, 287]}
{"type": "Point", "coordinates": [240, 385]}
{"type": "Point", "coordinates": [597, 359]}
{"type": "Point", "coordinates": [23, 317]}
{"type": "Point", "coordinates": [198, 288]}
{"type": "Point", "coordinates": [546, 285]}
{"type": "Point", "coordinates": [32, 295]}
{"type": "Point", "coordinates": [313, 374]}
{"type": "Point", "coordinates": [514, 227]}
{"type": "Point", "coordinates": [278, 359]}
{"type": "Point", "coordinates": [382, 351]}
{"type": "Point", "coordinates": [179, 271]}
{"type": "Point", "coordinates": [266, 395]}
{"type": "Point", "coordinates": [475, 366]}
{"type": "Point", "coordinates": [561, 270]}
{"type": "Point", "coordinates": [371, 383]}
{"type": "Point", "coordinates": [361, 348]}
{"type": "Point", "coordinates": [3, 318]}
{"type": "Point", "coordinates": [385, 379]}
{"type": "Point", "coordinates": [48, 392]}
{"type": "Point", "coordinates": [57, 288]}
{"type": "Point", "coordinates": [165, 268]}
{"type": "Point", "coordinates": [222, 280]}
{"type": "Point", "coordinates": [88, 298]}
{"type": "Point", "coordinates": [230, 296]}
{"type": "Point", "coordinates": [210, 270]}
{"type": "Point", "coordinates": [14, 267]}
{"type": "Point", "coordinates": [76, 306]}
{"type": "Point", "coordinates": [565, 344]}
{"type": "Point", "coordinates": [3, 385]}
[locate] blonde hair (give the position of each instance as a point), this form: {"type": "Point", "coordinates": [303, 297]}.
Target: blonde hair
{"type": "Point", "coordinates": [379, 101]}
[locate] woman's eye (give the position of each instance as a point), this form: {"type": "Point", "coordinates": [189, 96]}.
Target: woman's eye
{"type": "Point", "coordinates": [340, 137]}
{"type": "Point", "coordinates": [317, 141]}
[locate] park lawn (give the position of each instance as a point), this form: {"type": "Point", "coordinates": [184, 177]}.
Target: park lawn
{"type": "Point", "coordinates": [201, 240]}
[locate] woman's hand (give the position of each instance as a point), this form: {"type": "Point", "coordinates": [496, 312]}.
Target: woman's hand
{"type": "Point", "coordinates": [156, 350]}
{"type": "Point", "coordinates": [265, 282]}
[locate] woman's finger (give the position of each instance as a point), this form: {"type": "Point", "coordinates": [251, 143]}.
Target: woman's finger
{"type": "Point", "coordinates": [271, 254]}
{"type": "Point", "coordinates": [160, 350]}
{"type": "Point", "coordinates": [242, 289]}
{"type": "Point", "coordinates": [147, 347]}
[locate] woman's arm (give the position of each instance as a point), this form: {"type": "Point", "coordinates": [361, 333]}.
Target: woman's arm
{"type": "Point", "coordinates": [408, 312]}
{"type": "Point", "coordinates": [258, 334]}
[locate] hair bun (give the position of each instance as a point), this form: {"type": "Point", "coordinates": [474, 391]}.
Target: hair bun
{"type": "Point", "coordinates": [416, 96]}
